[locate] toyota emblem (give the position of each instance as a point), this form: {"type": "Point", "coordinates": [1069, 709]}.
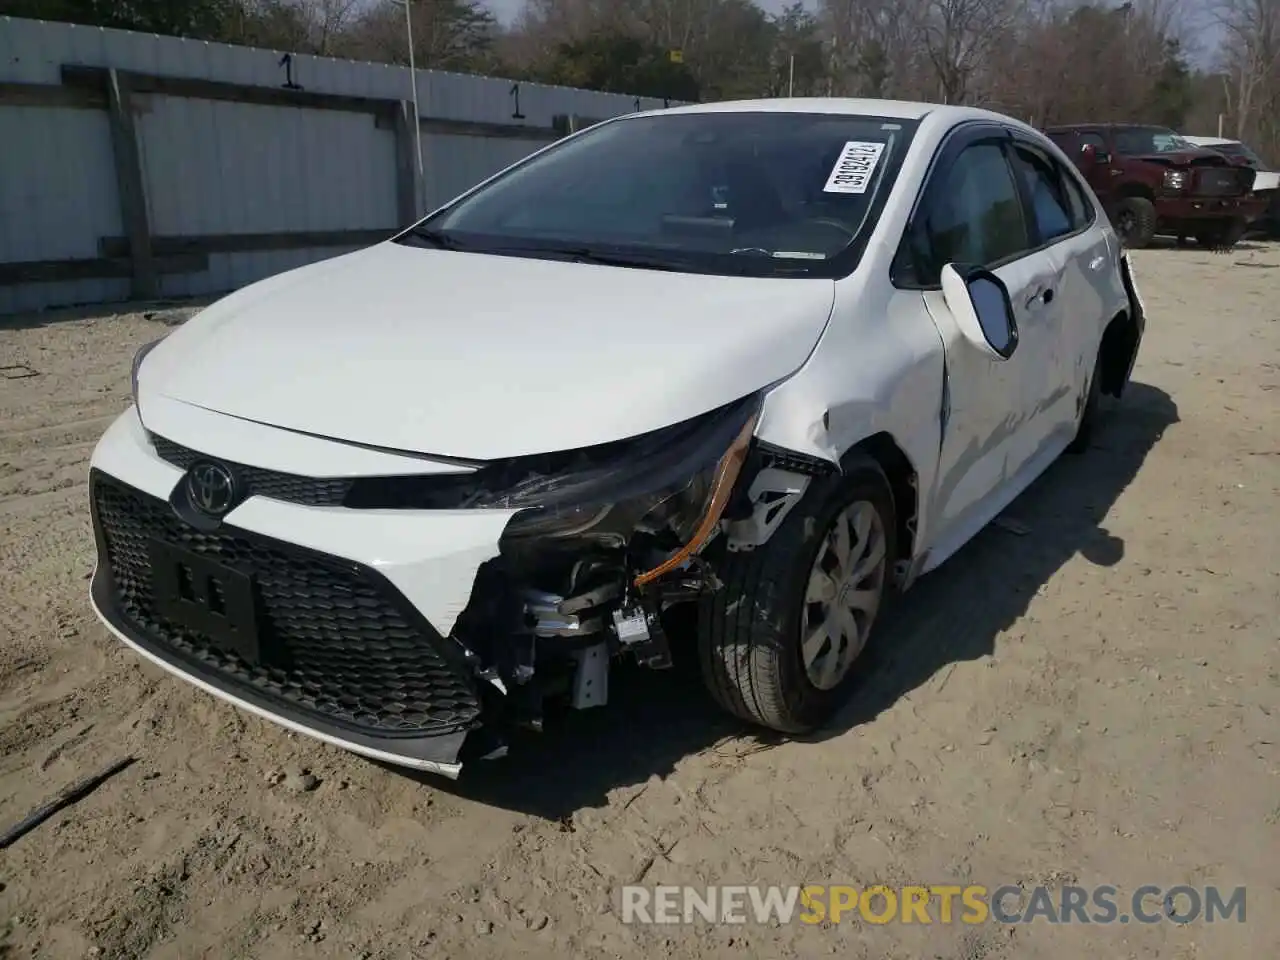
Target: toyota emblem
{"type": "Point", "coordinates": [211, 488]}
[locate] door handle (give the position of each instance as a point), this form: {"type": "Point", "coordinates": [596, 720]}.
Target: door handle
{"type": "Point", "coordinates": [1044, 295]}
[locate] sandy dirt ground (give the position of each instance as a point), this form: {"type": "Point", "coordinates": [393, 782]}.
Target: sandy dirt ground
{"type": "Point", "coordinates": [1093, 700]}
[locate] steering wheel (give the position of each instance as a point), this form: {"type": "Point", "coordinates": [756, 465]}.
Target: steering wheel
{"type": "Point", "coordinates": [829, 222]}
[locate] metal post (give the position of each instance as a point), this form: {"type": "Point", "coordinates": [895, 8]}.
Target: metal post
{"type": "Point", "coordinates": [417, 111]}
{"type": "Point", "coordinates": [1219, 126]}
{"type": "Point", "coordinates": [791, 77]}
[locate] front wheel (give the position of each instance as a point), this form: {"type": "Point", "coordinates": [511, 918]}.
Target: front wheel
{"type": "Point", "coordinates": [780, 641]}
{"type": "Point", "coordinates": [1135, 222]}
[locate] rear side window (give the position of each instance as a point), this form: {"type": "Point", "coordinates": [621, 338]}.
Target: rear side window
{"type": "Point", "coordinates": [1082, 212]}
{"type": "Point", "coordinates": [1057, 207]}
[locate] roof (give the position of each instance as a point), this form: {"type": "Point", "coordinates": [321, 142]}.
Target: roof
{"type": "Point", "coordinates": [847, 106]}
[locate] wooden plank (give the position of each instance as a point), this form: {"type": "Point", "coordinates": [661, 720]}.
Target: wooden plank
{"type": "Point", "coordinates": [132, 189]}
{"type": "Point", "coordinates": [51, 95]}
{"type": "Point", "coordinates": [479, 128]}
{"type": "Point", "coordinates": [195, 88]}
{"type": "Point", "coordinates": [406, 165]}
{"type": "Point", "coordinates": [103, 268]}
{"type": "Point", "coordinates": [203, 244]}
{"type": "Point", "coordinates": [385, 110]}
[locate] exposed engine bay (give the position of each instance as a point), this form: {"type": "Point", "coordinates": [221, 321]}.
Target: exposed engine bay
{"type": "Point", "coordinates": [607, 542]}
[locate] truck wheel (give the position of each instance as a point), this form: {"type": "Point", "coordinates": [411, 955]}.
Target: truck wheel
{"type": "Point", "coordinates": [1135, 221]}
{"type": "Point", "coordinates": [780, 639]}
{"type": "Point", "coordinates": [1221, 237]}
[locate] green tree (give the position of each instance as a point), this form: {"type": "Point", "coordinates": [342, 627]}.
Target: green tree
{"type": "Point", "coordinates": [1170, 98]}
{"type": "Point", "coordinates": [798, 49]}
{"type": "Point", "coordinates": [617, 63]}
{"type": "Point", "coordinates": [202, 19]}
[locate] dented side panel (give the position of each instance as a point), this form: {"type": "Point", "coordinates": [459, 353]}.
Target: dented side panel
{"type": "Point", "coordinates": [878, 369]}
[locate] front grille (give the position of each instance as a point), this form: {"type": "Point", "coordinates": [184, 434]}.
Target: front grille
{"type": "Point", "coordinates": [1221, 181]}
{"type": "Point", "coordinates": [313, 491]}
{"type": "Point", "coordinates": [338, 642]}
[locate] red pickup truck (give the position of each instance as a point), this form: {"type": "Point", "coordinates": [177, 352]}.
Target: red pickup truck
{"type": "Point", "coordinates": [1153, 182]}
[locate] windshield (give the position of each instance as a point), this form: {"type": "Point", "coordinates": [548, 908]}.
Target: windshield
{"type": "Point", "coordinates": [763, 194]}
{"type": "Point", "coordinates": [1140, 140]}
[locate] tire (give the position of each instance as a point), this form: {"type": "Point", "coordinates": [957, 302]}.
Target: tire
{"type": "Point", "coordinates": [1222, 236]}
{"type": "Point", "coordinates": [1135, 221]}
{"type": "Point", "coordinates": [1091, 413]}
{"type": "Point", "coordinates": [749, 634]}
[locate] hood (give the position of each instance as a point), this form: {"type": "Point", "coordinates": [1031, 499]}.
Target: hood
{"type": "Point", "coordinates": [480, 357]}
{"type": "Point", "coordinates": [1184, 158]}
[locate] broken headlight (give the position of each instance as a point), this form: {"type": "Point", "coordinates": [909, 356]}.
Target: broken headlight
{"type": "Point", "coordinates": [675, 480]}
{"type": "Point", "coordinates": [671, 484]}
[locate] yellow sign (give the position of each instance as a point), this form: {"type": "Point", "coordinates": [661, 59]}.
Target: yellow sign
{"type": "Point", "coordinates": [881, 904]}
{"type": "Point", "coordinates": [676, 56]}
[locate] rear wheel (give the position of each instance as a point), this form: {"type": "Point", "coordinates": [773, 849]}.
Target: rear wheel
{"type": "Point", "coordinates": [1222, 235]}
{"type": "Point", "coordinates": [780, 641]}
{"type": "Point", "coordinates": [1135, 221]}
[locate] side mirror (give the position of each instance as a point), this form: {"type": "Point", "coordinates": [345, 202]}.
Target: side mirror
{"type": "Point", "coordinates": [1094, 154]}
{"type": "Point", "coordinates": [979, 301]}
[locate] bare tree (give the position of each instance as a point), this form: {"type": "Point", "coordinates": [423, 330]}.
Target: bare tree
{"type": "Point", "coordinates": [959, 35]}
{"type": "Point", "coordinates": [1251, 64]}
{"type": "Point", "coordinates": [331, 19]}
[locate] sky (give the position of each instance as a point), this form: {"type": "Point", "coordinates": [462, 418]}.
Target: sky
{"type": "Point", "coordinates": [1203, 32]}
{"type": "Point", "coordinates": [506, 10]}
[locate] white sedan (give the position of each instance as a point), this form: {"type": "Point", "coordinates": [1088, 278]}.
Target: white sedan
{"type": "Point", "coordinates": [767, 360]}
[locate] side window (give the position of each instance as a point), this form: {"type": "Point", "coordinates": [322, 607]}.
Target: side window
{"type": "Point", "coordinates": [1094, 139]}
{"type": "Point", "coordinates": [1068, 143]}
{"type": "Point", "coordinates": [1052, 205]}
{"type": "Point", "coordinates": [1082, 212]}
{"type": "Point", "coordinates": [974, 215]}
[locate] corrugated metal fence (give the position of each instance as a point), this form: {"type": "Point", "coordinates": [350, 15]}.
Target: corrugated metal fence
{"type": "Point", "coordinates": [138, 165]}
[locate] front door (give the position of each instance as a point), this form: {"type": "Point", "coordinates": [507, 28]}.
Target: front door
{"type": "Point", "coordinates": [995, 421]}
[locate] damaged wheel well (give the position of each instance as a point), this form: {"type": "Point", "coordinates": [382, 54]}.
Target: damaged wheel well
{"type": "Point", "coordinates": [1115, 355]}
{"type": "Point", "coordinates": [903, 481]}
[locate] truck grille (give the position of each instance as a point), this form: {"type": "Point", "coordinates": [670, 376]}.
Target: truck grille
{"type": "Point", "coordinates": [338, 642]}
{"type": "Point", "coordinates": [312, 491]}
{"type": "Point", "coordinates": [1222, 181]}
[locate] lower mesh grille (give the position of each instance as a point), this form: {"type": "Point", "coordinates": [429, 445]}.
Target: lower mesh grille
{"type": "Point", "coordinates": [337, 641]}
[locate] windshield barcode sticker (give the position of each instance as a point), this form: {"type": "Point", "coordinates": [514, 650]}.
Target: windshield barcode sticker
{"type": "Point", "coordinates": [853, 170]}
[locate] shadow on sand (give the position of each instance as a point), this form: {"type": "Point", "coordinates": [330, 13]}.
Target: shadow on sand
{"type": "Point", "coordinates": [655, 719]}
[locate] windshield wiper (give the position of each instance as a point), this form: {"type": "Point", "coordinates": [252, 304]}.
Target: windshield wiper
{"type": "Point", "coordinates": [609, 259]}
{"type": "Point", "coordinates": [435, 238]}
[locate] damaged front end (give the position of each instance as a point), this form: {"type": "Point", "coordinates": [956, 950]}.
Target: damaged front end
{"type": "Point", "coordinates": [605, 541]}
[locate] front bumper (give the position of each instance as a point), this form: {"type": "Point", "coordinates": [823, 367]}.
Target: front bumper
{"type": "Point", "coordinates": [353, 609]}
{"type": "Point", "coordinates": [1182, 209]}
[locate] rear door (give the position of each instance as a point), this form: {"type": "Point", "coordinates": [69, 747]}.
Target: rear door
{"type": "Point", "coordinates": [1062, 220]}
